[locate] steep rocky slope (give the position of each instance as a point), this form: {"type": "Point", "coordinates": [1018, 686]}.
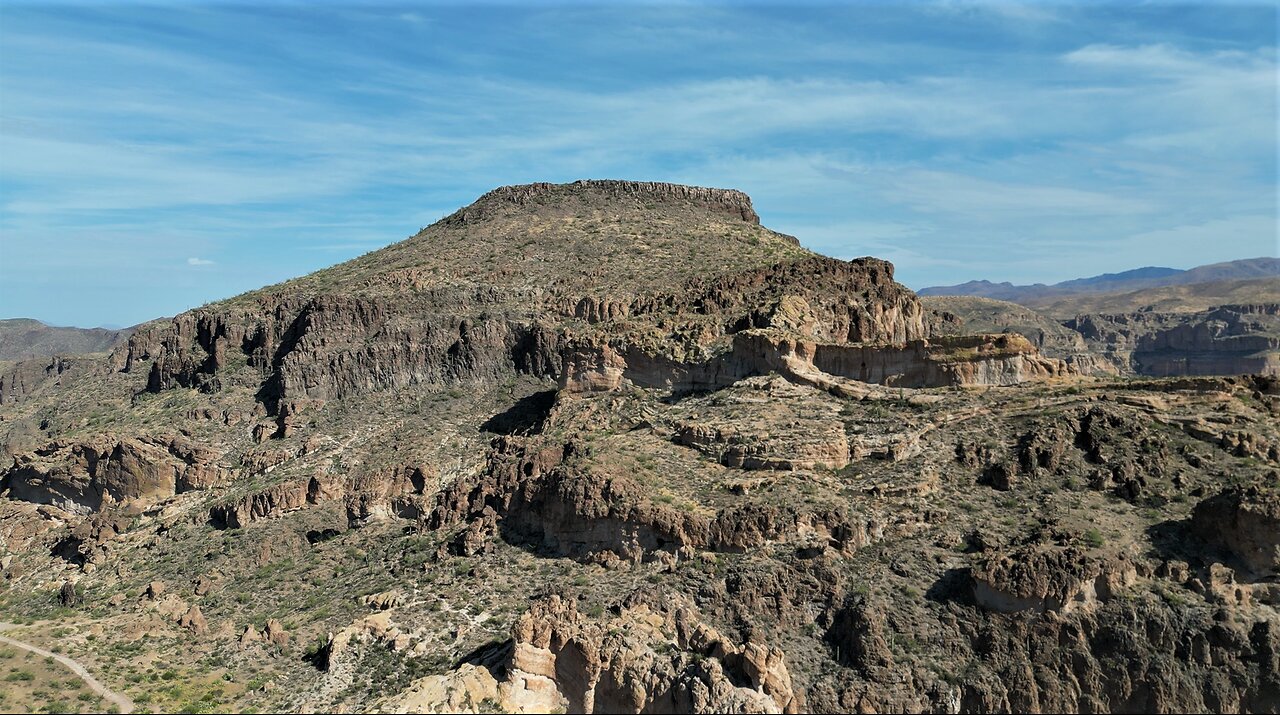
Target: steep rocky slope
{"type": "Point", "coordinates": [523, 278]}
{"type": "Point", "coordinates": [615, 447]}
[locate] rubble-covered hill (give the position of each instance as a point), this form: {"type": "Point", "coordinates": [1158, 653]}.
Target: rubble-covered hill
{"type": "Point", "coordinates": [615, 447]}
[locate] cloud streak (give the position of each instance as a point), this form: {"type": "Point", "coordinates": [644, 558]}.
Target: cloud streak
{"type": "Point", "coordinates": [282, 141]}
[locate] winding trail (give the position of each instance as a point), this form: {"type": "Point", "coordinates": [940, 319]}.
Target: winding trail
{"type": "Point", "coordinates": [120, 701]}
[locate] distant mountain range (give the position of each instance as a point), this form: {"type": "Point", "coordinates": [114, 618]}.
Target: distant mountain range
{"type": "Point", "coordinates": [1136, 279]}
{"type": "Point", "coordinates": [22, 338]}
{"type": "Point", "coordinates": [1220, 319]}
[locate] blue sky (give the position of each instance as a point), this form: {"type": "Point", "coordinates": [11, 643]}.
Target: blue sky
{"type": "Point", "coordinates": [156, 157]}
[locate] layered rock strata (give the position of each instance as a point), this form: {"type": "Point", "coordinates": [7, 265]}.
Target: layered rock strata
{"type": "Point", "coordinates": [1226, 340]}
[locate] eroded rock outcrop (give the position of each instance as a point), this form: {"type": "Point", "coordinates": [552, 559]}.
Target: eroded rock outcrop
{"type": "Point", "coordinates": [337, 346]}
{"type": "Point", "coordinates": [969, 315]}
{"type": "Point", "coordinates": [378, 494]}
{"type": "Point", "coordinates": [766, 423]}
{"type": "Point", "coordinates": [468, 689]}
{"type": "Point", "coordinates": [1124, 655]}
{"type": "Point", "coordinates": [85, 476]}
{"type": "Point", "coordinates": [537, 498]}
{"type": "Point", "coordinates": [193, 620]}
{"type": "Point", "coordinates": [731, 202]}
{"type": "Point", "coordinates": [1226, 340]}
{"type": "Point", "coordinates": [89, 541]}
{"type": "Point", "coordinates": [1048, 578]}
{"type": "Point", "coordinates": [670, 662]}
{"type": "Point", "coordinates": [937, 362]}
{"type": "Point", "coordinates": [1111, 448]}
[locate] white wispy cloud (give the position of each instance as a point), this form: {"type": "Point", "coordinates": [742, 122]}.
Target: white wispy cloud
{"type": "Point", "coordinates": [916, 144]}
{"type": "Point", "coordinates": [1169, 60]}
{"type": "Point", "coordinates": [960, 195]}
{"type": "Point", "coordinates": [199, 262]}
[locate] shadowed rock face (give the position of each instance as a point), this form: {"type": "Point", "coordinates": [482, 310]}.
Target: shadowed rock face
{"type": "Point", "coordinates": [1246, 524]}
{"type": "Point", "coordinates": [1040, 578]}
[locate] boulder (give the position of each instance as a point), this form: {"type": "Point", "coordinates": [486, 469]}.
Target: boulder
{"type": "Point", "coordinates": [203, 585]}
{"type": "Point", "coordinates": [275, 633]}
{"type": "Point", "coordinates": [69, 596]}
{"type": "Point", "coordinates": [250, 635]}
{"type": "Point", "coordinates": [383, 601]}
{"type": "Point", "coordinates": [154, 590]}
{"type": "Point", "coordinates": [193, 620]}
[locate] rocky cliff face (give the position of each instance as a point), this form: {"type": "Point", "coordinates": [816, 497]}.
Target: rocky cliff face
{"type": "Point", "coordinates": [1246, 524]}
{"type": "Point", "coordinates": [1224, 340]}
{"type": "Point", "coordinates": [549, 496]}
{"type": "Point", "coordinates": [332, 348]}
{"type": "Point", "coordinates": [560, 659]}
{"type": "Point", "coordinates": [1227, 340]}
{"type": "Point", "coordinates": [729, 202]}
{"type": "Point", "coordinates": [940, 362]}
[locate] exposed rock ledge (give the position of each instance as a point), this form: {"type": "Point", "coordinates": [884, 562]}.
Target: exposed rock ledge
{"type": "Point", "coordinates": [368, 496]}
{"type": "Point", "coordinates": [1006, 359]}
{"type": "Point", "coordinates": [530, 495]}
{"type": "Point", "coordinates": [1046, 578]}
{"type": "Point", "coordinates": [730, 201]}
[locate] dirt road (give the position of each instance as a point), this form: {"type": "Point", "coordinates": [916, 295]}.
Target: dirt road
{"type": "Point", "coordinates": [124, 704]}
